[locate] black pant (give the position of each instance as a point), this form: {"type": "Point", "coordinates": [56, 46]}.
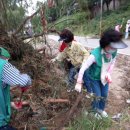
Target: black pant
{"type": "Point", "coordinates": [7, 127]}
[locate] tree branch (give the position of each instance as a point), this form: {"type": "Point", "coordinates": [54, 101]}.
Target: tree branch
{"type": "Point", "coordinates": [40, 34]}
{"type": "Point", "coordinates": [58, 23]}
{"type": "Point", "coordinates": [71, 112]}
{"type": "Point", "coordinates": [24, 22]}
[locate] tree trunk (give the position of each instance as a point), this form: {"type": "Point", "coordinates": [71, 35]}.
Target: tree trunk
{"type": "Point", "coordinates": [3, 15]}
{"type": "Point", "coordinates": [114, 4]}
{"type": "Point", "coordinates": [107, 4]}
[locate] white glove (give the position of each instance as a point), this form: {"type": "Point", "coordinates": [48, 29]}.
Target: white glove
{"type": "Point", "coordinates": [78, 87]}
{"type": "Point", "coordinates": [108, 78]}
{"type": "Point", "coordinates": [52, 60]}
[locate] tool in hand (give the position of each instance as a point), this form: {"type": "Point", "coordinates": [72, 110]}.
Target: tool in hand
{"type": "Point", "coordinates": [19, 104]}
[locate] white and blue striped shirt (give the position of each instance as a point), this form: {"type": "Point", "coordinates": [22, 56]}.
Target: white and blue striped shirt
{"type": "Point", "coordinates": [13, 77]}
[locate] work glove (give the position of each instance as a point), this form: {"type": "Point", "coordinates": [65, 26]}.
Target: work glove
{"type": "Point", "coordinates": [78, 87]}
{"type": "Point", "coordinates": [108, 78]}
{"type": "Point", "coordinates": [24, 89]}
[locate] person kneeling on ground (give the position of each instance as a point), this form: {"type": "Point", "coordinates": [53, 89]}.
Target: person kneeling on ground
{"type": "Point", "coordinates": [9, 76]}
{"type": "Point", "coordinates": [73, 52]}
{"type": "Point", "coordinates": [95, 71]}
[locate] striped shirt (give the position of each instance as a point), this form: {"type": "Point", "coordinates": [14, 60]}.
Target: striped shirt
{"type": "Point", "coordinates": [13, 77]}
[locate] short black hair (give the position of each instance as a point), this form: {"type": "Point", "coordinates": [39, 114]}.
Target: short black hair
{"type": "Point", "coordinates": [67, 35]}
{"type": "Point", "coordinates": [110, 35]}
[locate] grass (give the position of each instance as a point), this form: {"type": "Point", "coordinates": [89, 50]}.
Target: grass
{"type": "Point", "coordinates": [89, 122]}
{"type": "Point", "coordinates": [81, 25]}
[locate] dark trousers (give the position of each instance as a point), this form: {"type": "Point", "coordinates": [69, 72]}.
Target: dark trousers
{"type": "Point", "coordinates": [100, 91]}
{"type": "Point", "coordinates": [72, 72]}
{"type": "Point", "coordinates": [7, 127]}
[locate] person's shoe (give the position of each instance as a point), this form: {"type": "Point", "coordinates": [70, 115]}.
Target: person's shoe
{"type": "Point", "coordinates": [98, 116]}
{"type": "Point", "coordinates": [103, 113]}
{"type": "Point", "coordinates": [89, 95]}
{"type": "Point", "coordinates": [76, 76]}
{"type": "Point", "coordinates": [70, 90]}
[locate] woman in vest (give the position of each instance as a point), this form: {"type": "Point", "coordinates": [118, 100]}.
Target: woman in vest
{"type": "Point", "coordinates": [95, 72]}
{"type": "Point", "coordinates": [9, 76]}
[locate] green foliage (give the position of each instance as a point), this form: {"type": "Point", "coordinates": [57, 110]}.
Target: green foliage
{"type": "Point", "coordinates": [15, 17]}
{"type": "Point", "coordinates": [89, 122]}
{"type": "Point", "coordinates": [52, 14]}
{"type": "Point", "coordinates": [85, 5]}
{"type": "Point", "coordinates": [12, 14]}
{"type": "Point", "coordinates": [73, 21]}
{"type": "Point", "coordinates": [61, 9]}
{"type": "Point", "coordinates": [36, 22]}
{"type": "Point", "coordinates": [82, 25]}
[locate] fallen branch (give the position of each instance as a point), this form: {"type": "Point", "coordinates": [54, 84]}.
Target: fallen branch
{"type": "Point", "coordinates": [40, 34]}
{"type": "Point", "coordinates": [52, 100]}
{"type": "Point", "coordinates": [53, 31]}
{"type": "Point", "coordinates": [58, 23]}
{"type": "Point", "coordinates": [24, 22]}
{"type": "Point", "coordinates": [42, 49]}
{"type": "Point", "coordinates": [70, 113]}
{"type": "Point", "coordinates": [34, 36]}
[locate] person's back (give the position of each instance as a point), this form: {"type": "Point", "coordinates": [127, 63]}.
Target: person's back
{"type": "Point", "coordinates": [76, 53]}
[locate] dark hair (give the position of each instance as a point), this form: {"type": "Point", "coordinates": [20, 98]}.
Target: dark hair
{"type": "Point", "coordinates": [67, 35]}
{"type": "Point", "coordinates": [109, 36]}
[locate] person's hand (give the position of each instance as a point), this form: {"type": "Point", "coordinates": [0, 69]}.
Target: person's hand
{"type": "Point", "coordinates": [24, 89]}
{"type": "Point", "coordinates": [108, 78]}
{"type": "Point", "coordinates": [52, 60]}
{"type": "Point", "coordinates": [78, 87]}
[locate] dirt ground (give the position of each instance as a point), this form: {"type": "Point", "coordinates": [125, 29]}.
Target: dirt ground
{"type": "Point", "coordinates": [42, 114]}
{"type": "Point", "coordinates": [120, 87]}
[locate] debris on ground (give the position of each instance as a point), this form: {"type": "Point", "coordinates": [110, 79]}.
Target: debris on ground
{"type": "Point", "coordinates": [49, 104]}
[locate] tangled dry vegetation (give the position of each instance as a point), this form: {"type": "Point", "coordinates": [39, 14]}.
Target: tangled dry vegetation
{"type": "Point", "coordinates": [43, 110]}
{"type": "Point", "coordinates": [49, 103]}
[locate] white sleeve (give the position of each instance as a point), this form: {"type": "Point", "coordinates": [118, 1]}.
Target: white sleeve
{"type": "Point", "coordinates": [85, 65]}
{"type": "Point", "coordinates": [13, 77]}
